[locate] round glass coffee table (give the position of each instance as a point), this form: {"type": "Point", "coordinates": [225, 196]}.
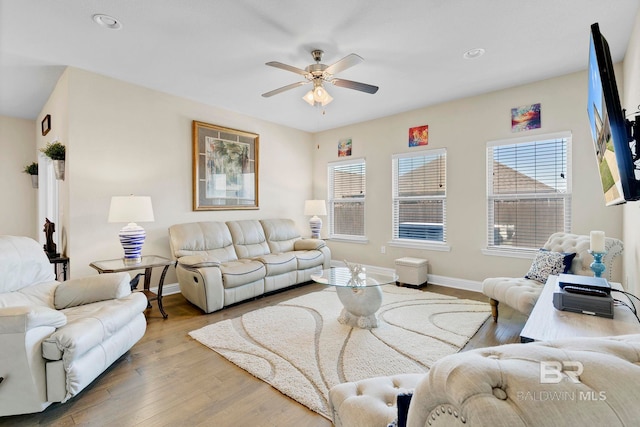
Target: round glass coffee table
{"type": "Point", "coordinates": [361, 296]}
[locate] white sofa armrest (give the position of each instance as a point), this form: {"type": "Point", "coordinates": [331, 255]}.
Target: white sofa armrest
{"type": "Point", "coordinates": [91, 289]}
{"type": "Point", "coordinates": [308, 244]}
{"type": "Point", "coordinates": [23, 318]}
{"type": "Point", "coordinates": [198, 261]}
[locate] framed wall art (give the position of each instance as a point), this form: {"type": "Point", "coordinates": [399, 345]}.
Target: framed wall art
{"type": "Point", "coordinates": [526, 117]}
{"type": "Point", "coordinates": [225, 168]}
{"type": "Point", "coordinates": [418, 136]}
{"type": "Point", "coordinates": [45, 125]}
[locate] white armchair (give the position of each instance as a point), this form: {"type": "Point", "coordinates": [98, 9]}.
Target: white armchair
{"type": "Point", "coordinates": [56, 338]}
{"type": "Point", "coordinates": [522, 293]}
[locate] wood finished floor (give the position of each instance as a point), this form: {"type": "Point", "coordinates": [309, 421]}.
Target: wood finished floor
{"type": "Point", "coordinates": [169, 379]}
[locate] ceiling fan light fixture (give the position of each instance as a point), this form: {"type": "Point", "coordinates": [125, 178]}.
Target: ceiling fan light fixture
{"type": "Point", "coordinates": [308, 98]}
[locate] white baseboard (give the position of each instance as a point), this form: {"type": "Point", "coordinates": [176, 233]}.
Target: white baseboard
{"type": "Point", "coordinates": [168, 289]}
{"type": "Point", "coordinates": [450, 282]}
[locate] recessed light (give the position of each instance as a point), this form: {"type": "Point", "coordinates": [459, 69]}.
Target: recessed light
{"type": "Point", "coordinates": [473, 53]}
{"type": "Point", "coordinates": [106, 21]}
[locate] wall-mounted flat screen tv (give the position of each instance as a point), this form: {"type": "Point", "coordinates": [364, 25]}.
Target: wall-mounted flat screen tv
{"type": "Point", "coordinates": [610, 130]}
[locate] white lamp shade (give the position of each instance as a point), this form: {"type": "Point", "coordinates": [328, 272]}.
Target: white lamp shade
{"type": "Point", "coordinates": [315, 207]}
{"type": "Point", "coordinates": [131, 209]}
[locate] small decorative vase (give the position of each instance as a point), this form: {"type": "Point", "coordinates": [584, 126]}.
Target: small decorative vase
{"type": "Point", "coordinates": [58, 167]}
{"type": "Point", "coordinates": [34, 181]}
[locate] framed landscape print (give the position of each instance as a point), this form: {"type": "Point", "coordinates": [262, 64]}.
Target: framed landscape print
{"type": "Point", "coordinates": [225, 168]}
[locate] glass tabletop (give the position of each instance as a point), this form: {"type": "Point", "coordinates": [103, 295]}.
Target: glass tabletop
{"type": "Point", "coordinates": [341, 276]}
{"type": "Point", "coordinates": [119, 264]}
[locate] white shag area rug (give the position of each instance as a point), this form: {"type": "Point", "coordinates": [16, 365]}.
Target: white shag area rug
{"type": "Point", "coordinates": [300, 348]}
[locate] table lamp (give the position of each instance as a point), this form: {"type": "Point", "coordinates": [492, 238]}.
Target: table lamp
{"type": "Point", "coordinates": [315, 208]}
{"type": "Point", "coordinates": [131, 209]}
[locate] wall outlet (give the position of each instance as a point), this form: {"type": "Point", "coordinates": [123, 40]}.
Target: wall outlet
{"type": "Point", "coordinates": [383, 250]}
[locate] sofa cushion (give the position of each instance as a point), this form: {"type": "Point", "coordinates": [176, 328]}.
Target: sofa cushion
{"type": "Point", "coordinates": [308, 244]}
{"type": "Point", "coordinates": [90, 325]}
{"type": "Point", "coordinates": [40, 295]}
{"type": "Point", "coordinates": [203, 239]}
{"type": "Point", "coordinates": [20, 319]}
{"type": "Point", "coordinates": [241, 272]}
{"type": "Point", "coordinates": [248, 238]}
{"type": "Point", "coordinates": [92, 289]}
{"type": "Point", "coordinates": [309, 259]}
{"type": "Point", "coordinates": [281, 234]}
{"type": "Point", "coordinates": [22, 263]}
{"type": "Point", "coordinates": [279, 263]}
{"type": "Point", "coordinates": [199, 261]}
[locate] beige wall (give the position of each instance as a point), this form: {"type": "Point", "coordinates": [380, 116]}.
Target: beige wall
{"type": "Point", "coordinates": [125, 139]}
{"type": "Point", "coordinates": [463, 127]}
{"type": "Point", "coordinates": [19, 199]}
{"type": "Point", "coordinates": [631, 99]}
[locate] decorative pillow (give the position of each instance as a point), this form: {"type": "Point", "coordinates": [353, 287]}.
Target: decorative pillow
{"type": "Point", "coordinates": [545, 264]}
{"type": "Point", "coordinates": [403, 401]}
{"type": "Point", "coordinates": [568, 259]}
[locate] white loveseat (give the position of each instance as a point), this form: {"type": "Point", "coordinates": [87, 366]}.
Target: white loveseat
{"type": "Point", "coordinates": [222, 263]}
{"type": "Point", "coordinates": [56, 338]}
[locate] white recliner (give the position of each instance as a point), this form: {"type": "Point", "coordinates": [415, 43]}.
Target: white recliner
{"type": "Point", "coordinates": [522, 293]}
{"type": "Point", "coordinates": [56, 338]}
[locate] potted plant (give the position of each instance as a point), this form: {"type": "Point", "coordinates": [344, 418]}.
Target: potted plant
{"type": "Point", "coordinates": [32, 170]}
{"type": "Point", "coordinates": [56, 151]}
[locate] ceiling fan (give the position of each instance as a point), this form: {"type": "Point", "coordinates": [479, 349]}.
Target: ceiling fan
{"type": "Point", "coordinates": [318, 74]}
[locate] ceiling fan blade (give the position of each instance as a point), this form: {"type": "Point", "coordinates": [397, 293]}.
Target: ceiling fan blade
{"type": "Point", "coordinates": [349, 84]}
{"type": "Point", "coordinates": [346, 62]}
{"type": "Point", "coordinates": [287, 68]}
{"type": "Point", "coordinates": [284, 88]}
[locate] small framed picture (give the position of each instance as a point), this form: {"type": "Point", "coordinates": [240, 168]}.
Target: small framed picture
{"type": "Point", "coordinates": [46, 124]}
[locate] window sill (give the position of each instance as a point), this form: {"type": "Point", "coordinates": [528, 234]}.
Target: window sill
{"type": "Point", "coordinates": [523, 253]}
{"type": "Point", "coordinates": [431, 246]}
{"type": "Point", "coordinates": [362, 241]}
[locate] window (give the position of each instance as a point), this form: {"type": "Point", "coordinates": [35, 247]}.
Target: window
{"type": "Point", "coordinates": [347, 184]}
{"type": "Point", "coordinates": [528, 191]}
{"type": "Point", "coordinates": [419, 197]}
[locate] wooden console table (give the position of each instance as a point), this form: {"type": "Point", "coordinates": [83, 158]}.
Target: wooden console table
{"type": "Point", "coordinates": [148, 263]}
{"type": "Point", "coordinates": [547, 323]}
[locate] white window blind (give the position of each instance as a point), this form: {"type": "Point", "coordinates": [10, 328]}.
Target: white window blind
{"type": "Point", "coordinates": [419, 196]}
{"type": "Point", "coordinates": [347, 189]}
{"type": "Point", "coordinates": [528, 191]}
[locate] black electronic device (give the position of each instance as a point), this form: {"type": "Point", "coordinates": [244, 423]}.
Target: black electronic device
{"type": "Point", "coordinates": [599, 283]}
{"type": "Point", "coordinates": [582, 303]}
{"type": "Point", "coordinates": [614, 136]}
{"type": "Point", "coordinates": [585, 290]}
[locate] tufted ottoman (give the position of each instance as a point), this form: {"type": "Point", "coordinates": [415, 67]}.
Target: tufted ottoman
{"type": "Point", "coordinates": [369, 402]}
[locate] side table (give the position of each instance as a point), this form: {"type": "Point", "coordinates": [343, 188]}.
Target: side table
{"type": "Point", "coordinates": [148, 263]}
{"type": "Point", "coordinates": [65, 264]}
{"type": "Point", "coordinates": [545, 323]}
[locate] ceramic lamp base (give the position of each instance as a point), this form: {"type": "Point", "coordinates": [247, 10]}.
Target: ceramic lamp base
{"type": "Point", "coordinates": [315, 224]}
{"type": "Point", "coordinates": [132, 238]}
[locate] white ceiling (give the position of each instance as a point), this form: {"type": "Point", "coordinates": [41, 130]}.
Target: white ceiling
{"type": "Point", "coordinates": [214, 51]}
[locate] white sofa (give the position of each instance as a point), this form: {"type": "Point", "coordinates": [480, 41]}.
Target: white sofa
{"type": "Point", "coordinates": [56, 338]}
{"type": "Point", "coordinates": [222, 263]}
{"type": "Point", "coordinates": [508, 386]}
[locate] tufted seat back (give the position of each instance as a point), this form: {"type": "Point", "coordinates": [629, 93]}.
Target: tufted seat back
{"type": "Point", "coordinates": [508, 385]}
{"type": "Point", "coordinates": [22, 263]}
{"type": "Point", "coordinates": [579, 244]}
